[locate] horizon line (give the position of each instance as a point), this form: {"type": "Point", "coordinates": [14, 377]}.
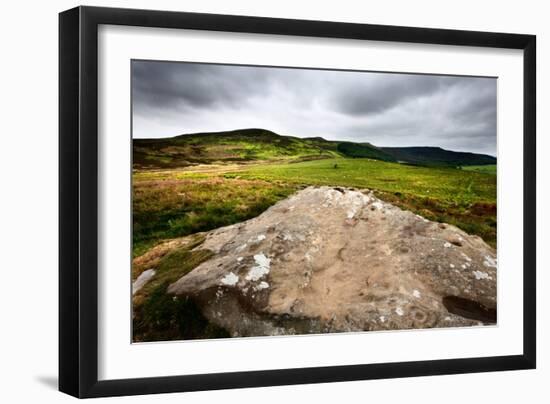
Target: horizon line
{"type": "Point", "coordinates": [307, 137]}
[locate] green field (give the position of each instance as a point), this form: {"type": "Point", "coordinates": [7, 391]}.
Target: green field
{"type": "Point", "coordinates": [187, 185]}
{"type": "Point", "coordinates": [176, 202]}
{"type": "Point", "coordinates": [487, 169]}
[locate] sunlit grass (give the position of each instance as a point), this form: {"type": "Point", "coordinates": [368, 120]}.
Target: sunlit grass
{"type": "Point", "coordinates": [487, 169]}
{"type": "Point", "coordinates": [173, 203]}
{"type": "Point", "coordinates": [169, 204]}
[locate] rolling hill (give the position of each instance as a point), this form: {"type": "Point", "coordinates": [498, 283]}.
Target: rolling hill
{"type": "Point", "coordinates": [436, 156]}
{"type": "Point", "coordinates": [247, 145]}
{"type": "Point", "coordinates": [232, 146]}
{"type": "Point", "coordinates": [364, 150]}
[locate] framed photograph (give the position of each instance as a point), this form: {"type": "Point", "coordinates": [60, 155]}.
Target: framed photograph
{"type": "Point", "coordinates": [251, 201]}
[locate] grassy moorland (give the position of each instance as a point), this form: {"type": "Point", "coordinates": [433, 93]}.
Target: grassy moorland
{"type": "Point", "coordinates": [157, 315]}
{"type": "Point", "coordinates": [466, 199]}
{"type": "Point", "coordinates": [176, 202]}
{"type": "Point", "coordinates": [187, 185]}
{"type": "Point", "coordinates": [173, 203]}
{"type": "Point", "coordinates": [260, 145]}
{"type": "Point", "coordinates": [487, 169]}
{"type": "Point", "coordinates": [193, 183]}
{"type": "Point", "coordinates": [240, 146]}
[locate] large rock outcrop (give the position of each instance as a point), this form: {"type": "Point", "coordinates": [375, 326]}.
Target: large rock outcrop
{"type": "Point", "coordinates": [335, 260]}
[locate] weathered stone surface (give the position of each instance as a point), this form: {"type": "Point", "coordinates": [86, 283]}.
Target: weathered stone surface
{"type": "Point", "coordinates": [333, 260]}
{"type": "Point", "coordinates": [142, 279]}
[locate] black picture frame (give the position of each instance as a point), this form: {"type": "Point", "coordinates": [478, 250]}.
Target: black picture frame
{"type": "Point", "coordinates": [78, 201]}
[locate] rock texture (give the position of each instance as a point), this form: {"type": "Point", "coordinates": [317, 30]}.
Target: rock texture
{"type": "Point", "coordinates": [142, 279]}
{"type": "Point", "coordinates": [335, 260]}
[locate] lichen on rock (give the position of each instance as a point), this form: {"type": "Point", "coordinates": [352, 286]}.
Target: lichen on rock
{"type": "Point", "coordinates": [338, 260]}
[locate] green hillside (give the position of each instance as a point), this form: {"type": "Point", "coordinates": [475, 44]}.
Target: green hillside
{"type": "Point", "coordinates": [173, 203]}
{"type": "Point", "coordinates": [189, 184]}
{"type": "Point", "coordinates": [225, 147]}
{"type": "Point", "coordinates": [363, 150]}
{"type": "Point", "coordinates": [487, 169]}
{"type": "Point", "coordinates": [249, 145]}
{"type": "Point", "coordinates": [436, 156]}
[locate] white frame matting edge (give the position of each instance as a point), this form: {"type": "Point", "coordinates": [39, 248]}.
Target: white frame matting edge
{"type": "Point", "coordinates": [118, 358]}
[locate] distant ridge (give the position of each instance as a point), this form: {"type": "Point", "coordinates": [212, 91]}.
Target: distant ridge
{"type": "Point", "coordinates": [256, 144]}
{"type": "Point", "coordinates": [364, 150]}
{"type": "Point", "coordinates": [438, 156]}
{"type": "Point", "coordinates": [236, 132]}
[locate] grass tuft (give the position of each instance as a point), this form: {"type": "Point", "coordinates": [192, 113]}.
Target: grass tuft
{"type": "Point", "coordinates": [169, 204]}
{"type": "Point", "coordinates": [159, 316]}
{"type": "Point", "coordinates": [174, 203]}
{"type": "Point", "coordinates": [164, 317]}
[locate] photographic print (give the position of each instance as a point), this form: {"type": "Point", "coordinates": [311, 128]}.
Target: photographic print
{"type": "Point", "coordinates": [272, 201]}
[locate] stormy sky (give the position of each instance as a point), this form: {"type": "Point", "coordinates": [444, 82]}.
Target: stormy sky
{"type": "Point", "coordinates": [456, 113]}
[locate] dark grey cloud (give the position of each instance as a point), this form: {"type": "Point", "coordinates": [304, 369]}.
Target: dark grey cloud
{"type": "Point", "coordinates": [457, 113]}
{"type": "Point", "coordinates": [167, 85]}
{"type": "Point", "coordinates": [373, 97]}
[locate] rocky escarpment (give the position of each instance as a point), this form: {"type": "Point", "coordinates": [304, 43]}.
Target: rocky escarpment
{"type": "Point", "coordinates": [334, 260]}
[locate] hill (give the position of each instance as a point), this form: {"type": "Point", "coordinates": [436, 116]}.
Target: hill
{"type": "Point", "coordinates": [436, 156]}
{"type": "Point", "coordinates": [231, 146]}
{"type": "Point", "coordinates": [363, 150]}
{"type": "Point", "coordinates": [246, 145]}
